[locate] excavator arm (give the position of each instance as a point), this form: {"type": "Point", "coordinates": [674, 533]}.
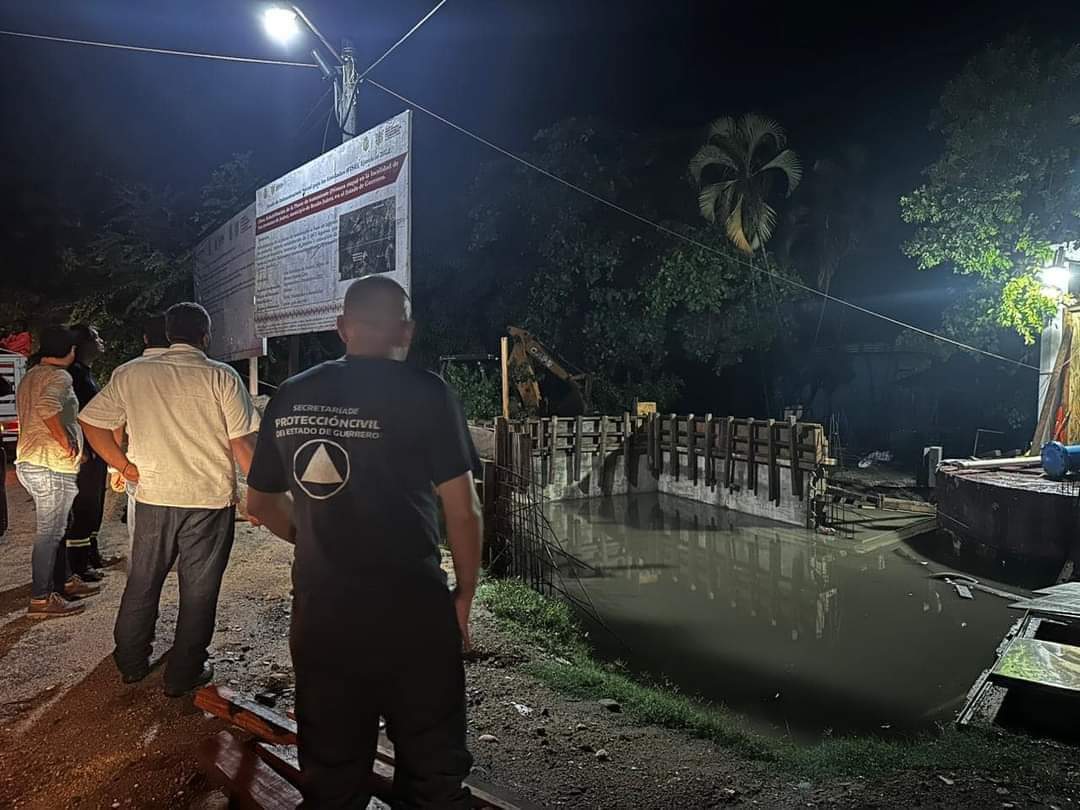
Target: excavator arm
{"type": "Point", "coordinates": [528, 350]}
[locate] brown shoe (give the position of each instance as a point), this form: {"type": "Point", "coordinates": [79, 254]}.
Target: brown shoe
{"type": "Point", "coordinates": [54, 606]}
{"type": "Point", "coordinates": [77, 587]}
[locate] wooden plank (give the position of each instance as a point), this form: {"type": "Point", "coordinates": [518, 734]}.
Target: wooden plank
{"type": "Point", "coordinates": [691, 446]}
{"type": "Point", "coordinates": [774, 471]}
{"type": "Point", "coordinates": [751, 459]}
{"type": "Point", "coordinates": [229, 705]}
{"type": "Point", "coordinates": [673, 446]}
{"type": "Point", "coordinates": [554, 450]}
{"type": "Point", "coordinates": [603, 437]}
{"type": "Point", "coordinates": [710, 451]}
{"type": "Point", "coordinates": [279, 733]}
{"type": "Point", "coordinates": [729, 454]}
{"type": "Point", "coordinates": [579, 438]}
{"type": "Point", "coordinates": [249, 782]}
{"type": "Point", "coordinates": [796, 471]}
{"type": "Point", "coordinates": [628, 450]}
{"type": "Point", "coordinates": [657, 435]}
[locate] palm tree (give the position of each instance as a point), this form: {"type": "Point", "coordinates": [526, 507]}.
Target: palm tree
{"type": "Point", "coordinates": [742, 161]}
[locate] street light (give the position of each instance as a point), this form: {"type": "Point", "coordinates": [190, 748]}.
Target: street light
{"type": "Point", "coordinates": [1055, 280]}
{"type": "Point", "coordinates": [281, 24]}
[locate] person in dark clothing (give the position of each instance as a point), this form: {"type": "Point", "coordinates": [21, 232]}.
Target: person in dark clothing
{"type": "Point", "coordinates": [351, 460]}
{"type": "Point", "coordinates": [81, 538]}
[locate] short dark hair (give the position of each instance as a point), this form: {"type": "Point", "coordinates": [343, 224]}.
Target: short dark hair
{"type": "Point", "coordinates": [187, 322]}
{"type": "Point", "coordinates": [154, 332]}
{"type": "Point", "coordinates": [374, 291]}
{"type": "Point", "coordinates": [55, 341]}
{"type": "Point", "coordinates": [83, 332]}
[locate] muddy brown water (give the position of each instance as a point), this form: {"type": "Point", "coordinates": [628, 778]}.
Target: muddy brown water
{"type": "Point", "coordinates": [800, 632]}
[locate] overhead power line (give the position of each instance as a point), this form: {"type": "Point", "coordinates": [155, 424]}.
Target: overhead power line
{"type": "Point", "coordinates": [691, 241]}
{"type": "Point", "coordinates": [407, 34]}
{"type": "Point", "coordinates": [390, 50]}
{"type": "Point", "coordinates": [219, 57]}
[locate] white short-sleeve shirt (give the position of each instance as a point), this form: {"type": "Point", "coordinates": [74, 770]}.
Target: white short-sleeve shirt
{"type": "Point", "coordinates": [181, 409]}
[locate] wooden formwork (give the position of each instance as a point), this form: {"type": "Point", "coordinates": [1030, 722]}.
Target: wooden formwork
{"type": "Point", "coordinates": [673, 443]}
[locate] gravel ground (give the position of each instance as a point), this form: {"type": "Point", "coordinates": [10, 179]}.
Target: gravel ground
{"type": "Point", "coordinates": [71, 735]}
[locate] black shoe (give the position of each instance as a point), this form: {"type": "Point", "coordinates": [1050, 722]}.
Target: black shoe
{"type": "Point", "coordinates": [135, 675]}
{"type": "Point", "coordinates": [203, 678]}
{"type": "Point", "coordinates": [94, 559]}
{"type": "Point", "coordinates": [91, 575]}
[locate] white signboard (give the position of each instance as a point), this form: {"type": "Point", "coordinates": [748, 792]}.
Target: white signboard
{"type": "Point", "coordinates": [342, 216]}
{"type": "Point", "coordinates": [225, 284]}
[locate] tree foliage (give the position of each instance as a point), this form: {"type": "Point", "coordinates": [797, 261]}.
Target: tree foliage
{"type": "Point", "coordinates": [632, 305]}
{"type": "Point", "coordinates": [1006, 186]}
{"type": "Point", "coordinates": [736, 172]}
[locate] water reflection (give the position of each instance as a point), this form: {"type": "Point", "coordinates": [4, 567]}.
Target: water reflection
{"type": "Point", "coordinates": [800, 631]}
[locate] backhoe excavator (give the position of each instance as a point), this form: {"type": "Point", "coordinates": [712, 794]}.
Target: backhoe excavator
{"type": "Point", "coordinates": [564, 393]}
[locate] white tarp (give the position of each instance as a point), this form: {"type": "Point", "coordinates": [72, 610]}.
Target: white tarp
{"type": "Point", "coordinates": [342, 216]}
{"type": "Point", "coordinates": [224, 275]}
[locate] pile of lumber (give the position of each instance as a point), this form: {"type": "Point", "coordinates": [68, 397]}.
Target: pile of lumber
{"type": "Point", "coordinates": [258, 768]}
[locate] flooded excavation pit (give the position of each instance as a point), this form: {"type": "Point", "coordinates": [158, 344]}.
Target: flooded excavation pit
{"type": "Point", "coordinates": [803, 633]}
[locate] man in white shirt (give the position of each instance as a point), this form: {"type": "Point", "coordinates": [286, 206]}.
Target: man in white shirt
{"type": "Point", "coordinates": [155, 342]}
{"type": "Point", "coordinates": [189, 421]}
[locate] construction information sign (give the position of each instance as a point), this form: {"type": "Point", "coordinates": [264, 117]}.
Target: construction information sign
{"type": "Point", "coordinates": [224, 275]}
{"type": "Point", "coordinates": [342, 216]}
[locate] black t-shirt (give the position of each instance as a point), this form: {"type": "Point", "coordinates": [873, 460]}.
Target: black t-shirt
{"type": "Point", "coordinates": [361, 444]}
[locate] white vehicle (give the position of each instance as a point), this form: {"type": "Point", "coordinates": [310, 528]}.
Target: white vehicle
{"type": "Point", "coordinates": [12, 368]}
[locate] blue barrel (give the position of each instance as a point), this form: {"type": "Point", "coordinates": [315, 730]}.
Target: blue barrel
{"type": "Point", "coordinates": [1058, 460]}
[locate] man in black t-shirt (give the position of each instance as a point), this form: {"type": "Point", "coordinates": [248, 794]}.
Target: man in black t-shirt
{"type": "Point", "coordinates": [364, 446]}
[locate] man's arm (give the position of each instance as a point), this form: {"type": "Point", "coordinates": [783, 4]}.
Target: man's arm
{"type": "Point", "coordinates": [243, 450]}
{"type": "Point", "coordinates": [60, 436]}
{"type": "Point", "coordinates": [465, 536]}
{"type": "Point", "coordinates": [274, 510]}
{"type": "Point", "coordinates": [104, 443]}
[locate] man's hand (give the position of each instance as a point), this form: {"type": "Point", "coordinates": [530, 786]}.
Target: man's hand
{"type": "Point", "coordinates": [463, 608]}
{"type": "Point", "coordinates": [130, 473]}
{"type": "Point", "coordinates": [71, 451]}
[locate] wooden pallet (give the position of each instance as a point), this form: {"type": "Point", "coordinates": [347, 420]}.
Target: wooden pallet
{"type": "Point", "coordinates": [265, 772]}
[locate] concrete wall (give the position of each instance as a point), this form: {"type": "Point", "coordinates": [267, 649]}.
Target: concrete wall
{"type": "Point", "coordinates": [608, 476]}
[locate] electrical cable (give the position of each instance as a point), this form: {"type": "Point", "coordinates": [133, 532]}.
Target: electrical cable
{"type": "Point", "coordinates": [696, 243]}
{"type": "Point", "coordinates": [407, 34]}
{"type": "Point", "coordinates": [373, 65]}
{"type": "Point", "coordinates": [167, 52]}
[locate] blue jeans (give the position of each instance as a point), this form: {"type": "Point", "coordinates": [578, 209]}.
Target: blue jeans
{"type": "Point", "coordinates": [53, 494]}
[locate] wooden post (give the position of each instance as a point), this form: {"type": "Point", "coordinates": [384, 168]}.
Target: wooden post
{"type": "Point", "coordinates": [253, 376]}
{"type": "Point", "coordinates": [729, 453]}
{"type": "Point", "coordinates": [603, 438]}
{"type": "Point", "coordinates": [674, 447]}
{"type": "Point", "coordinates": [751, 457]}
{"type": "Point", "coordinates": [579, 432]}
{"type": "Point", "coordinates": [796, 469]}
{"type": "Point", "coordinates": [774, 470]}
{"type": "Point", "coordinates": [504, 362]}
{"type": "Point", "coordinates": [710, 440]}
{"type": "Point", "coordinates": [554, 448]}
{"type": "Point", "coordinates": [691, 446]}
{"type": "Point", "coordinates": [657, 440]}
{"type": "Point", "coordinates": [628, 450]}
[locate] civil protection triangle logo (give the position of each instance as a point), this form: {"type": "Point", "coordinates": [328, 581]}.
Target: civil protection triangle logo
{"type": "Point", "coordinates": [321, 468]}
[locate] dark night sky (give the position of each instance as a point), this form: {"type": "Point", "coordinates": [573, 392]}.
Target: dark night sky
{"type": "Point", "coordinates": [506, 69]}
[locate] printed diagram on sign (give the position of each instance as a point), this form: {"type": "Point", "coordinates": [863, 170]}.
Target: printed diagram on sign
{"type": "Point", "coordinates": [321, 468]}
{"type": "Point", "coordinates": [366, 240]}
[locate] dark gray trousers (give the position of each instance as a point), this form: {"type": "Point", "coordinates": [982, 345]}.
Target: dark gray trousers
{"type": "Point", "coordinates": [201, 540]}
{"type": "Point", "coordinates": [382, 649]}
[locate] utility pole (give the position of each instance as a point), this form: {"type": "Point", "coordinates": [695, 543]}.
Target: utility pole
{"type": "Point", "coordinates": [346, 89]}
